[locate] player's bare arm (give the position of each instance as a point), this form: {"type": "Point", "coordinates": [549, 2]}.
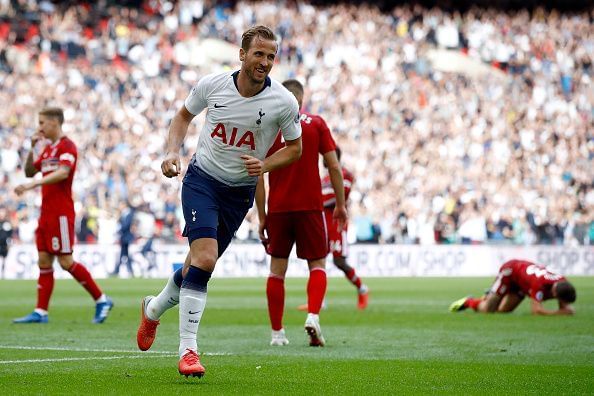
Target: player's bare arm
{"type": "Point", "coordinates": [335, 173]}
{"type": "Point", "coordinates": [538, 309]}
{"type": "Point", "coordinates": [51, 178]}
{"type": "Point", "coordinates": [171, 165]}
{"type": "Point", "coordinates": [30, 169]}
{"type": "Point", "coordinates": [261, 206]}
{"type": "Point", "coordinates": [283, 157]}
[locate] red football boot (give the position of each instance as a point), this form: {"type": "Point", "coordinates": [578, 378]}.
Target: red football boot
{"type": "Point", "coordinates": [363, 300]}
{"type": "Point", "coordinates": [147, 331]}
{"type": "Point", "coordinates": [189, 364]}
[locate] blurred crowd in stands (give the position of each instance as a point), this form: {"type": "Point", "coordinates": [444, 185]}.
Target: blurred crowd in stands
{"type": "Point", "coordinates": [504, 156]}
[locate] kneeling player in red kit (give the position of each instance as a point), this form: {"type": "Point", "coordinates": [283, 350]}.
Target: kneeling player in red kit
{"type": "Point", "coordinates": [517, 279]}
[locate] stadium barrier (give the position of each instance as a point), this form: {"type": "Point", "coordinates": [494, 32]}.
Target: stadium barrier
{"type": "Point", "coordinates": [370, 260]}
{"type": "Point", "coordinates": [242, 260]}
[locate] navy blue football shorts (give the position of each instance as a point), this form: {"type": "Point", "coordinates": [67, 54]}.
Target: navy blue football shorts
{"type": "Point", "coordinates": [213, 209]}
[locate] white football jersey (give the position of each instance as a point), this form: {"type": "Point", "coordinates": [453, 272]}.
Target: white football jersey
{"type": "Point", "coordinates": [236, 125]}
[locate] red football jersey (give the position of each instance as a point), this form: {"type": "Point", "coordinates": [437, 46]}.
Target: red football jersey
{"type": "Point", "coordinates": [328, 196]}
{"type": "Point", "coordinates": [298, 186]}
{"type": "Point", "coordinates": [534, 280]}
{"type": "Point", "coordinates": [56, 199]}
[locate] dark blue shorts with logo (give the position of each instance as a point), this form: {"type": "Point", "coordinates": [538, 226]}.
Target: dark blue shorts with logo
{"type": "Point", "coordinates": [213, 209]}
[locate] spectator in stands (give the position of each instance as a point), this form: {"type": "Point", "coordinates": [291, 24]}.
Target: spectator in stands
{"type": "Point", "coordinates": [513, 140]}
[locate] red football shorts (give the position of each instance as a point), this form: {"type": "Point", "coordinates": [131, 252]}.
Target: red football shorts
{"type": "Point", "coordinates": [504, 283]}
{"type": "Point", "coordinates": [338, 239]}
{"type": "Point", "coordinates": [306, 229]}
{"type": "Point", "coordinates": [55, 235]}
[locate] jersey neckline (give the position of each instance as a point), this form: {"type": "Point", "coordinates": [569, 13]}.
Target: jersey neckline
{"type": "Point", "coordinates": [267, 83]}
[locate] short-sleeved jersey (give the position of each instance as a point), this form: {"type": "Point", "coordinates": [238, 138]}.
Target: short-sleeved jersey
{"type": "Point", "coordinates": [298, 187]}
{"type": "Point", "coordinates": [236, 125]}
{"type": "Point", "coordinates": [328, 195]}
{"type": "Point", "coordinates": [56, 198]}
{"type": "Point", "coordinates": [534, 280]}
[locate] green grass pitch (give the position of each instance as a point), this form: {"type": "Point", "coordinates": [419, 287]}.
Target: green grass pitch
{"type": "Point", "coordinates": [406, 342]}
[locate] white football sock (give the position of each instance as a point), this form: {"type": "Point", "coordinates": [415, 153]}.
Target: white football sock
{"type": "Point", "coordinates": [191, 307]}
{"type": "Point", "coordinates": [168, 298]}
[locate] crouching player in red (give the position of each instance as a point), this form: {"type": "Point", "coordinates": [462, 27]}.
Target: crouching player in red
{"type": "Point", "coordinates": [55, 232]}
{"type": "Point", "coordinates": [517, 279]}
{"type": "Point", "coordinates": [295, 217]}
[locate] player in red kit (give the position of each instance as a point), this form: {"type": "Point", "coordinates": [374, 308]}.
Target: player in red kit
{"type": "Point", "coordinates": [517, 279]}
{"type": "Point", "coordinates": [295, 216]}
{"type": "Point", "coordinates": [55, 231]}
{"type": "Point", "coordinates": [337, 237]}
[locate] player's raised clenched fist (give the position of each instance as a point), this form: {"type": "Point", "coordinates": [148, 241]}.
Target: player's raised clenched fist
{"type": "Point", "coordinates": [171, 165]}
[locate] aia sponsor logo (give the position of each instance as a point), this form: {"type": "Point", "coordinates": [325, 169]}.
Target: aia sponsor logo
{"type": "Point", "coordinates": [234, 137]}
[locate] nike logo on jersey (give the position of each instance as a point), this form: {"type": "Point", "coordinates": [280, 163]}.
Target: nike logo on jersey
{"type": "Point", "coordinates": [218, 106]}
{"type": "Point", "coordinates": [193, 313]}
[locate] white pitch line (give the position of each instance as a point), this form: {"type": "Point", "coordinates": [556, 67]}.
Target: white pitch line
{"type": "Point", "coordinates": [67, 349]}
{"type": "Point", "coordinates": [70, 359]}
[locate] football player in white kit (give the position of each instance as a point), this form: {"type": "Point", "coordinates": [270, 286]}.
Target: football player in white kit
{"type": "Point", "coordinates": [245, 110]}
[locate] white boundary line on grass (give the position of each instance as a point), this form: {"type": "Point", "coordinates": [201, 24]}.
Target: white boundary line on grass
{"type": "Point", "coordinates": [137, 354]}
{"type": "Point", "coordinates": [68, 349]}
{"type": "Point", "coordinates": [71, 359]}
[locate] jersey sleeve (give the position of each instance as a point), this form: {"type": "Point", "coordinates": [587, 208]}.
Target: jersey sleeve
{"type": "Point", "coordinates": [196, 100]}
{"type": "Point", "coordinates": [67, 155]}
{"type": "Point", "coordinates": [290, 122]}
{"type": "Point", "coordinates": [326, 140]}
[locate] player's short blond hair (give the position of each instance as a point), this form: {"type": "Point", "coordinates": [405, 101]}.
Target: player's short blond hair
{"type": "Point", "coordinates": [53, 112]}
{"type": "Point", "coordinates": [256, 31]}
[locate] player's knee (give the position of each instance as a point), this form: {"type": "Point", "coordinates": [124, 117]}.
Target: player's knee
{"type": "Point", "coordinates": [45, 262]}
{"type": "Point", "coordinates": [317, 264]}
{"type": "Point", "coordinates": [65, 262]}
{"type": "Point", "coordinates": [278, 266]}
{"type": "Point", "coordinates": [488, 306]}
{"type": "Point", "coordinates": [206, 261]}
{"type": "Point", "coordinates": [340, 262]}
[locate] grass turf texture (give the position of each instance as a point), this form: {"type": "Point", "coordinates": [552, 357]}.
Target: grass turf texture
{"type": "Point", "coordinates": [405, 342]}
